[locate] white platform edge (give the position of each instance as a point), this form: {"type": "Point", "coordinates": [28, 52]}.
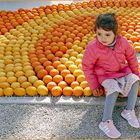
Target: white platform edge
{"type": "Point", "coordinates": [63, 100]}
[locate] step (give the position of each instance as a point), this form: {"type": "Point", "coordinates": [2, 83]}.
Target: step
{"type": "Point", "coordinates": [51, 118]}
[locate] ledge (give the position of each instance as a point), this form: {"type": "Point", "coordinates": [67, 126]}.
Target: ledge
{"type": "Point", "coordinates": [63, 100]}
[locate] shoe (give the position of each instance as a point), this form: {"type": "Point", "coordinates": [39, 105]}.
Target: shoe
{"type": "Point", "coordinates": [130, 116]}
{"type": "Point", "coordinates": [109, 129]}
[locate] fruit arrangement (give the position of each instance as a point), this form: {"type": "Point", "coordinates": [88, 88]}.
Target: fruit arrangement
{"type": "Point", "coordinates": [41, 49]}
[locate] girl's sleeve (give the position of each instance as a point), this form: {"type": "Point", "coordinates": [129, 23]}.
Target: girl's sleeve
{"type": "Point", "coordinates": [132, 58]}
{"type": "Point", "coordinates": [88, 64]}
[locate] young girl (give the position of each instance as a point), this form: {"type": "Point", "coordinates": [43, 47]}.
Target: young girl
{"type": "Point", "coordinates": [110, 62]}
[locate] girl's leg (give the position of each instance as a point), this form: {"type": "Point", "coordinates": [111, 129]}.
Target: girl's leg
{"type": "Point", "coordinates": [109, 106]}
{"type": "Point", "coordinates": [132, 96]}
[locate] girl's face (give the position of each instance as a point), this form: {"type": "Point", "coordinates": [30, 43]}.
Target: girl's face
{"type": "Point", "coordinates": [105, 37]}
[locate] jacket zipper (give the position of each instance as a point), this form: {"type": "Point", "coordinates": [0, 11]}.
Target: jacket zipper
{"type": "Point", "coordinates": [113, 52]}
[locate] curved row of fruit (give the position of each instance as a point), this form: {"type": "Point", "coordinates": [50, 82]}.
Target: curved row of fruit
{"type": "Point", "coordinates": [44, 54]}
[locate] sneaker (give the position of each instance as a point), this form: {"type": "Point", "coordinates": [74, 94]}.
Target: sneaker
{"type": "Point", "coordinates": [130, 116]}
{"type": "Point", "coordinates": [109, 129]}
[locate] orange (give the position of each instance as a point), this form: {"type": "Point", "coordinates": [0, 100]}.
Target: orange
{"type": "Point", "coordinates": [57, 78]}
{"type": "Point", "coordinates": [26, 84]}
{"type": "Point", "coordinates": [37, 68]}
{"type": "Point", "coordinates": [42, 60]}
{"type": "Point", "coordinates": [47, 79]}
{"type": "Point", "coordinates": [50, 56]}
{"type": "Point", "coordinates": [54, 49]}
{"type": "Point", "coordinates": [84, 84]}
{"type": "Point", "coordinates": [56, 63]}
{"type": "Point", "coordinates": [31, 91]}
{"type": "Point", "coordinates": [87, 91]}
{"type": "Point", "coordinates": [72, 68]}
{"type": "Point", "coordinates": [8, 91]}
{"type": "Point", "coordinates": [32, 79]}
{"type": "Point", "coordinates": [62, 84]}
{"type": "Point", "coordinates": [133, 38]}
{"type": "Point", "coordinates": [69, 78]}
{"type": "Point", "coordinates": [42, 90]}
{"type": "Point", "coordinates": [56, 91]}
{"type": "Point", "coordinates": [38, 83]}
{"type": "Point", "coordinates": [65, 72]}
{"type": "Point", "coordinates": [59, 54]}
{"type": "Point", "coordinates": [77, 72]}
{"type": "Point", "coordinates": [63, 49]}
{"type": "Point", "coordinates": [67, 91]}
{"type": "Point", "coordinates": [78, 91]}
{"type": "Point", "coordinates": [80, 78]}
{"type": "Point", "coordinates": [4, 85]}
{"type": "Point", "coordinates": [50, 85]}
{"type": "Point", "coordinates": [74, 84]}
{"type": "Point", "coordinates": [49, 68]}
{"type": "Point", "coordinates": [22, 79]}
{"type": "Point", "coordinates": [41, 73]}
{"type": "Point", "coordinates": [54, 72]}
{"type": "Point", "coordinates": [61, 67]}
{"type": "Point", "coordinates": [20, 91]}
{"type": "Point", "coordinates": [1, 92]}
{"type": "Point", "coordinates": [69, 45]}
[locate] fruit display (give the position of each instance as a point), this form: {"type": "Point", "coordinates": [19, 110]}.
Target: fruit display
{"type": "Point", "coordinates": [41, 49]}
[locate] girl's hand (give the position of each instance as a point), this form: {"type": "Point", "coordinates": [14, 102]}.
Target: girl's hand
{"type": "Point", "coordinates": [98, 91]}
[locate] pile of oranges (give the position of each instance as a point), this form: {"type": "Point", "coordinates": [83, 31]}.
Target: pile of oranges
{"type": "Point", "coordinates": [41, 49]}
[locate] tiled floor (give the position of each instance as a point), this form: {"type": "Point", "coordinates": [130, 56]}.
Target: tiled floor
{"type": "Point", "coordinates": [16, 4]}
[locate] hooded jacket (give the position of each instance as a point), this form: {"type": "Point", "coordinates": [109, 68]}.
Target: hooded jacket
{"type": "Point", "coordinates": [101, 62]}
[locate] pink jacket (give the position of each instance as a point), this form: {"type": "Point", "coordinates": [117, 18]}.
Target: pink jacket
{"type": "Point", "coordinates": [101, 62]}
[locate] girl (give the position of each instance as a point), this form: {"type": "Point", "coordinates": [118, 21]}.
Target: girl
{"type": "Point", "coordinates": [110, 62]}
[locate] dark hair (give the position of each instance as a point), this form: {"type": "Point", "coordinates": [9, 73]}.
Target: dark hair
{"type": "Point", "coordinates": [107, 22]}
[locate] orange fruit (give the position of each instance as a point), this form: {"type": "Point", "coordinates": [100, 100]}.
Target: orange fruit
{"type": "Point", "coordinates": [62, 84]}
{"type": "Point", "coordinates": [49, 68]}
{"type": "Point", "coordinates": [77, 72]}
{"type": "Point", "coordinates": [80, 78]}
{"type": "Point", "coordinates": [84, 84]}
{"type": "Point", "coordinates": [69, 78]}
{"type": "Point", "coordinates": [8, 91]}
{"type": "Point", "coordinates": [32, 79]}
{"type": "Point", "coordinates": [59, 54]}
{"type": "Point", "coordinates": [47, 79]}
{"type": "Point", "coordinates": [19, 91]}
{"type": "Point", "coordinates": [65, 72]}
{"type": "Point", "coordinates": [38, 83]}
{"type": "Point", "coordinates": [87, 91]}
{"type": "Point", "coordinates": [22, 79]}
{"type": "Point", "coordinates": [26, 84]}
{"type": "Point", "coordinates": [1, 92]}
{"type": "Point", "coordinates": [57, 78]}
{"type": "Point", "coordinates": [54, 72]}
{"type": "Point", "coordinates": [78, 91]}
{"type": "Point", "coordinates": [42, 90]}
{"type": "Point", "coordinates": [67, 91]}
{"type": "Point", "coordinates": [41, 73]}
{"type": "Point", "coordinates": [74, 84]}
{"type": "Point", "coordinates": [68, 63]}
{"type": "Point", "coordinates": [31, 91]}
{"type": "Point", "coordinates": [56, 63]}
{"type": "Point", "coordinates": [4, 85]}
{"type": "Point", "coordinates": [56, 91]}
{"type": "Point", "coordinates": [72, 68]}
{"type": "Point", "coordinates": [61, 67]}
{"type": "Point", "coordinates": [50, 85]}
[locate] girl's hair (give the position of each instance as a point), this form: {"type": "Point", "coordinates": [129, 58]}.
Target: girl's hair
{"type": "Point", "coordinates": [107, 22]}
